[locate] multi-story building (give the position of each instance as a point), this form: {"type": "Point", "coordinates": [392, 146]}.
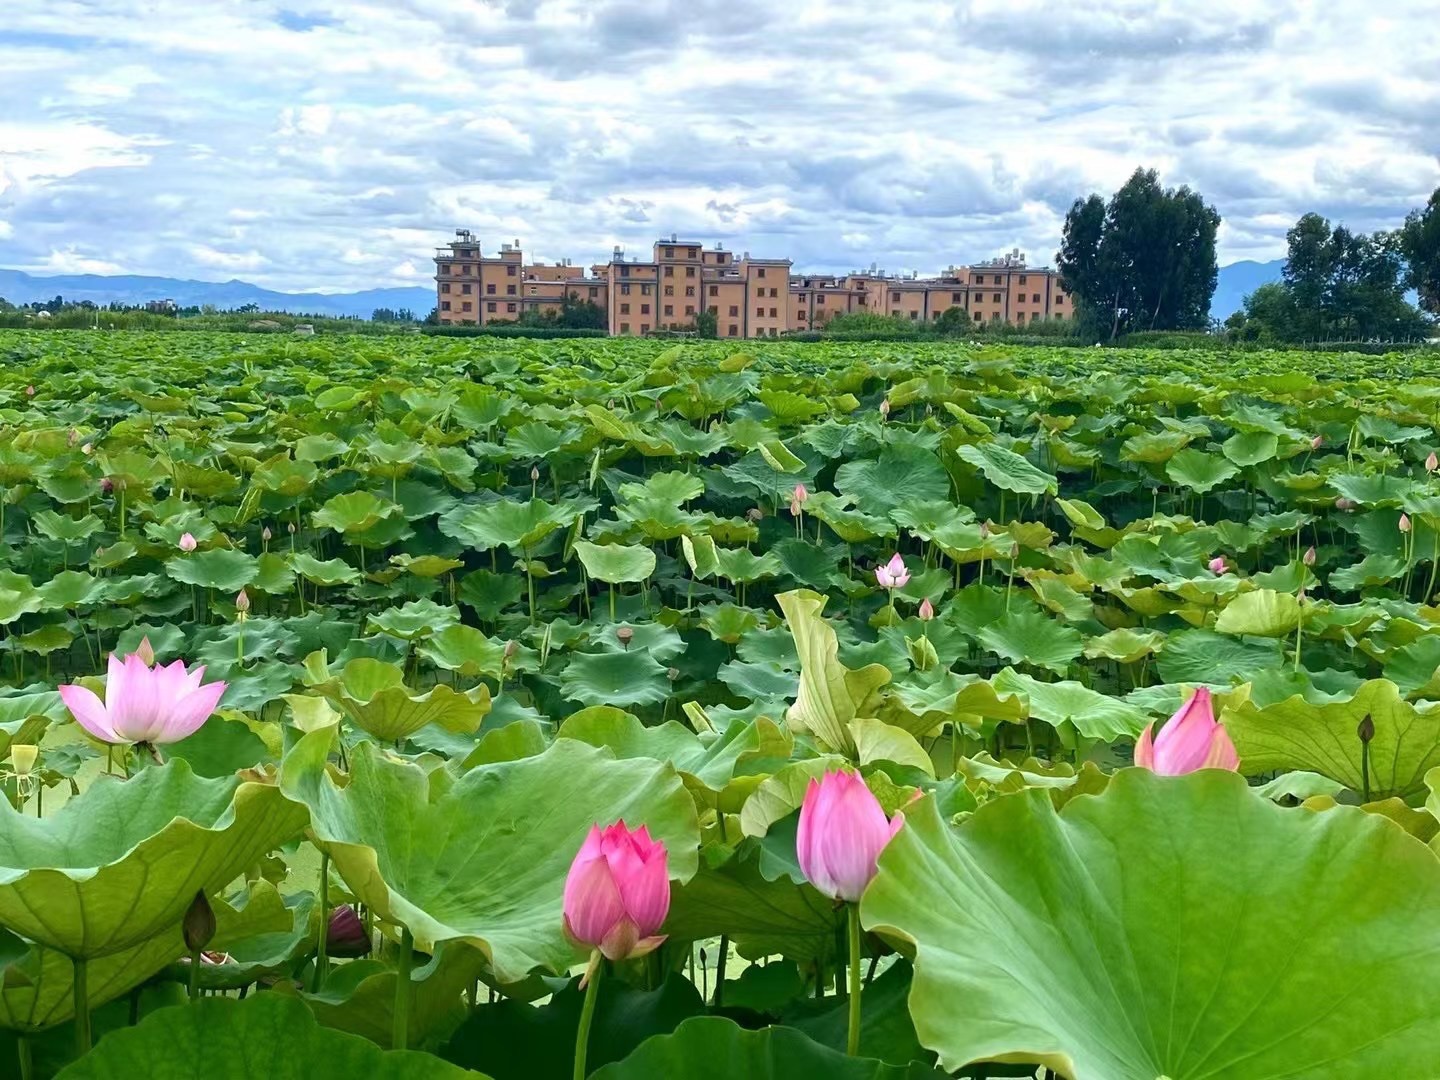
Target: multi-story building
{"type": "Point", "coordinates": [749, 297]}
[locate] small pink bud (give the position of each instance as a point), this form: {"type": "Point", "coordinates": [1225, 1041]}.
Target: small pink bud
{"type": "Point", "coordinates": [841, 834]}
{"type": "Point", "coordinates": [106, 485]}
{"type": "Point", "coordinates": [74, 437]}
{"type": "Point", "coordinates": [801, 493]}
{"type": "Point", "coordinates": [1191, 739]}
{"type": "Point", "coordinates": [1432, 462]}
{"type": "Point", "coordinates": [146, 652]}
{"type": "Point", "coordinates": [1316, 443]}
{"type": "Point", "coordinates": [1217, 564]}
{"type": "Point", "coordinates": [927, 610]}
{"type": "Point", "coordinates": [29, 391]}
{"type": "Point", "coordinates": [87, 449]}
{"type": "Point", "coordinates": [1309, 557]}
{"type": "Point", "coordinates": [885, 408]}
{"type": "Point", "coordinates": [1404, 523]}
{"type": "Point", "coordinates": [187, 543]}
{"type": "Point", "coordinates": [617, 892]}
{"type": "Point", "coordinates": [242, 602]}
{"type": "Point", "coordinates": [1343, 503]}
{"type": "Point", "coordinates": [534, 473]}
{"type": "Point", "coordinates": [266, 534]}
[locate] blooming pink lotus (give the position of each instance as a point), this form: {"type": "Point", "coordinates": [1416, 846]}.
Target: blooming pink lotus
{"type": "Point", "coordinates": [143, 704]}
{"type": "Point", "coordinates": [1191, 739]}
{"type": "Point", "coordinates": [187, 543]}
{"type": "Point", "coordinates": [842, 832]}
{"type": "Point", "coordinates": [617, 893]}
{"type": "Point", "coordinates": [1217, 564]}
{"type": "Point", "coordinates": [894, 574]}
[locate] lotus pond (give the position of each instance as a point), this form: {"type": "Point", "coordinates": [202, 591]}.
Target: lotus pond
{"type": "Point", "coordinates": [571, 689]}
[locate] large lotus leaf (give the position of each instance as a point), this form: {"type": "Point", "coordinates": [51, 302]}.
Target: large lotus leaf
{"type": "Point", "coordinates": [1322, 738]}
{"type": "Point", "coordinates": [616, 562]}
{"type": "Point", "coordinates": [394, 712]}
{"type": "Point", "coordinates": [900, 476]}
{"type": "Point", "coordinates": [354, 512]}
{"type": "Point", "coordinates": [418, 618]}
{"type": "Point", "coordinates": [1179, 927]}
{"type": "Point", "coordinates": [1093, 714]}
{"type": "Point", "coordinates": [1006, 469]}
{"type": "Point", "coordinates": [1262, 613]}
{"type": "Point", "coordinates": [712, 1048]}
{"type": "Point", "coordinates": [220, 568]}
{"type": "Point", "coordinates": [1250, 447]}
{"type": "Point", "coordinates": [615, 678]}
{"type": "Point", "coordinates": [483, 859]}
{"type": "Point", "coordinates": [504, 523]}
{"type": "Point", "coordinates": [1199, 471]}
{"type": "Point", "coordinates": [18, 596]}
{"type": "Point", "coordinates": [742, 747]}
{"type": "Point", "coordinates": [266, 1035]}
{"type": "Point", "coordinates": [831, 695]}
{"type": "Point", "coordinates": [327, 572]}
{"type": "Point", "coordinates": [1203, 656]}
{"type": "Point", "coordinates": [1027, 636]}
{"type": "Point", "coordinates": [919, 708]}
{"type": "Point", "coordinates": [285, 477]}
{"type": "Point", "coordinates": [464, 650]}
{"type": "Point", "coordinates": [121, 862]}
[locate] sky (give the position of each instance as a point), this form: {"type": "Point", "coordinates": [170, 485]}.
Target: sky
{"type": "Point", "coordinates": [332, 146]}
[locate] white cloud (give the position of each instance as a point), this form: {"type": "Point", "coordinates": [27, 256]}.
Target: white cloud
{"type": "Point", "coordinates": [71, 261]}
{"type": "Point", "coordinates": [319, 145]}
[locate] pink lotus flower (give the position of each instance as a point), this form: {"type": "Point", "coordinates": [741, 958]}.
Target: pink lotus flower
{"type": "Point", "coordinates": [617, 893]}
{"type": "Point", "coordinates": [187, 543]}
{"type": "Point", "coordinates": [1309, 557]}
{"type": "Point", "coordinates": [144, 704]}
{"type": "Point", "coordinates": [927, 610]}
{"type": "Point", "coordinates": [842, 832]}
{"type": "Point", "coordinates": [345, 935]}
{"type": "Point", "coordinates": [802, 493]}
{"type": "Point", "coordinates": [1404, 523]}
{"type": "Point", "coordinates": [1191, 739]}
{"type": "Point", "coordinates": [29, 391]}
{"type": "Point", "coordinates": [1432, 462]}
{"type": "Point", "coordinates": [1317, 442]}
{"type": "Point", "coordinates": [1217, 564]}
{"type": "Point", "coordinates": [893, 575]}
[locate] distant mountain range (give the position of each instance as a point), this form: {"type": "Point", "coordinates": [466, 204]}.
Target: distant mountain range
{"type": "Point", "coordinates": [1236, 280]}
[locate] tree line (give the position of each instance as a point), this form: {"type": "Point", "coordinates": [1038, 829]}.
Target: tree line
{"type": "Point", "coordinates": [1145, 260]}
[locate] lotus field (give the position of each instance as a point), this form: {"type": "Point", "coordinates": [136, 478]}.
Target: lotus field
{"type": "Point", "coordinates": [429, 708]}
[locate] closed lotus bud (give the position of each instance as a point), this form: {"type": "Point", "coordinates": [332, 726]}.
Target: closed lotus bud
{"type": "Point", "coordinates": [841, 834]}
{"type": "Point", "coordinates": [802, 493]}
{"type": "Point", "coordinates": [1432, 462]}
{"type": "Point", "coordinates": [345, 937]}
{"type": "Point", "coordinates": [617, 892]}
{"type": "Point", "coordinates": [106, 485]}
{"type": "Point", "coordinates": [1014, 550]}
{"type": "Point", "coordinates": [198, 926]}
{"type": "Point", "coordinates": [1217, 564]}
{"type": "Point", "coordinates": [290, 527]}
{"type": "Point", "coordinates": [885, 407]}
{"type": "Point", "coordinates": [1343, 503]}
{"type": "Point", "coordinates": [927, 610]}
{"type": "Point", "coordinates": [624, 635]}
{"type": "Point", "coordinates": [984, 530]}
{"type": "Point", "coordinates": [511, 648]}
{"type": "Point", "coordinates": [754, 514]}
{"type": "Point", "coordinates": [146, 652]}
{"type": "Point", "coordinates": [534, 473]}
{"type": "Point", "coordinates": [1191, 739]}
{"type": "Point", "coordinates": [1317, 442]}
{"type": "Point", "coordinates": [29, 391]}
{"type": "Point", "coordinates": [1404, 523]}
{"type": "Point", "coordinates": [672, 673]}
{"type": "Point", "coordinates": [75, 437]}
{"type": "Point", "coordinates": [1309, 557]}
{"type": "Point", "coordinates": [242, 602]}
{"type": "Point", "coordinates": [266, 534]}
{"type": "Point", "coordinates": [187, 543]}
{"type": "Point", "coordinates": [1365, 730]}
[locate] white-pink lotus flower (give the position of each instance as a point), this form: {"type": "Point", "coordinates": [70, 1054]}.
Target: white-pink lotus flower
{"type": "Point", "coordinates": [143, 704]}
{"type": "Point", "coordinates": [894, 574]}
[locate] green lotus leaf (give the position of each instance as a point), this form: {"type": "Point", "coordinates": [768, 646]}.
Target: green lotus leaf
{"type": "Point", "coordinates": [1199, 471]}
{"type": "Point", "coordinates": [504, 523]}
{"type": "Point", "coordinates": [831, 695]}
{"type": "Point", "coordinates": [1370, 490]}
{"type": "Point", "coordinates": [44, 640]}
{"type": "Point", "coordinates": [57, 527]}
{"type": "Point", "coordinates": [848, 523]}
{"type": "Point", "coordinates": [900, 476]}
{"type": "Point", "coordinates": [1006, 469]}
{"type": "Point", "coordinates": [1415, 667]}
{"type": "Point", "coordinates": [743, 565]}
{"type": "Point", "coordinates": [483, 859]}
{"type": "Point", "coordinates": [920, 707]}
{"type": "Point", "coordinates": [616, 562]}
{"type": "Point", "coordinates": [425, 566]}
{"type": "Point", "coordinates": [121, 862]}
{"type": "Point", "coordinates": [73, 588]}
{"type": "Point", "coordinates": [266, 1035]}
{"type": "Point", "coordinates": [632, 677]}
{"type": "Point", "coordinates": [1203, 656]}
{"type": "Point", "coordinates": [220, 568]}
{"type": "Point", "coordinates": [1295, 734]}
{"type": "Point", "coordinates": [1029, 637]}
{"type": "Point", "coordinates": [675, 488]}
{"type": "Point", "coordinates": [418, 618]}
{"type": "Point", "coordinates": [373, 694]}
{"type": "Point", "coordinates": [1139, 933]}
{"type": "Point", "coordinates": [328, 572]}
{"type": "Point", "coordinates": [319, 447]}
{"type": "Point", "coordinates": [1250, 447]}
{"type": "Point", "coordinates": [354, 513]}
{"type": "Point", "coordinates": [1262, 613]}
{"type": "Point", "coordinates": [712, 1048]}
{"type": "Point", "coordinates": [1093, 714]}
{"type": "Point", "coordinates": [284, 476]}
{"type": "Point", "coordinates": [463, 650]}
{"type": "Point", "coordinates": [1125, 645]}
{"type": "Point", "coordinates": [18, 596]}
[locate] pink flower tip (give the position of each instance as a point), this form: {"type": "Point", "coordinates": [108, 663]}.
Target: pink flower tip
{"type": "Point", "coordinates": [841, 834]}
{"type": "Point", "coordinates": [801, 493]}
{"type": "Point", "coordinates": [1317, 442]}
{"type": "Point", "coordinates": [1192, 739]}
{"type": "Point", "coordinates": [1309, 556]}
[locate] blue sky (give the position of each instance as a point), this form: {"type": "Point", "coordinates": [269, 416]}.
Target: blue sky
{"type": "Point", "coordinates": [327, 145]}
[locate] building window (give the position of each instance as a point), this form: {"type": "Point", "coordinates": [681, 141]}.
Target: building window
{"type": "Point", "coordinates": [669, 271]}
{"type": "Point", "coordinates": [510, 308]}
{"type": "Point", "coordinates": [820, 299]}
{"type": "Point", "coordinates": [509, 271]}
{"type": "Point", "coordinates": [644, 328]}
{"type": "Point", "coordinates": [895, 312]}
{"type": "Point", "coordinates": [624, 327]}
{"type": "Point", "coordinates": [624, 309]}
{"type": "Point", "coordinates": [713, 310]}
{"type": "Point", "coordinates": [625, 289]}
{"type": "Point", "coordinates": [490, 289]}
{"type": "Point", "coordinates": [644, 290]}
{"type": "Point", "coordinates": [689, 271]}
{"type": "Point", "coordinates": [894, 296]}
{"type": "Point", "coordinates": [509, 290]}
{"type": "Point", "coordinates": [692, 252]}
{"type": "Point", "coordinates": [734, 311]}
{"type": "Point", "coordinates": [773, 313]}
{"type": "Point", "coordinates": [914, 315]}
{"type": "Point", "coordinates": [669, 254]}
{"type": "Point", "coordinates": [594, 293]}
{"type": "Point", "coordinates": [534, 290]}
{"type": "Point", "coordinates": [644, 309]}
{"type": "Point", "coordinates": [998, 298]}
{"type": "Point", "coordinates": [669, 309]}
{"type": "Point", "coordinates": [714, 290]}
{"type": "Point", "coordinates": [490, 306]}
{"type": "Point", "coordinates": [624, 271]}
{"type": "Point", "coordinates": [733, 330]}
{"type": "Point", "coordinates": [1035, 298]}
{"type": "Point", "coordinates": [689, 290]}
{"type": "Point", "coordinates": [1059, 315]}
{"type": "Point", "coordinates": [669, 290]}
{"type": "Point", "coordinates": [689, 309]}
{"type": "Point", "coordinates": [445, 286]}
{"type": "Point", "coordinates": [955, 298]}
{"type": "Point", "coordinates": [760, 271]}
{"type": "Point", "coordinates": [444, 305]}
{"type": "Point", "coordinates": [760, 312]}
{"type": "Point", "coordinates": [1059, 300]}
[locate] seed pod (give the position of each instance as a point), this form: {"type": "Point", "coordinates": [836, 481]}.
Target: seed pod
{"type": "Point", "coordinates": [624, 635]}
{"type": "Point", "coordinates": [198, 926]}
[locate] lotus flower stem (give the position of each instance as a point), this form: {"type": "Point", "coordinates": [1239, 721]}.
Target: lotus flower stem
{"type": "Point", "coordinates": [401, 1033]}
{"type": "Point", "coordinates": [720, 970]}
{"type": "Point", "coordinates": [321, 961]}
{"type": "Point", "coordinates": [82, 1008]}
{"type": "Point", "coordinates": [587, 1013]}
{"type": "Point", "coordinates": [193, 987]}
{"type": "Point", "coordinates": [1434, 566]}
{"type": "Point", "coordinates": [852, 1041]}
{"type": "Point", "coordinates": [27, 1060]}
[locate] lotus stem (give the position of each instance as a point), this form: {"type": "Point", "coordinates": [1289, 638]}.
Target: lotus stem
{"type": "Point", "coordinates": [401, 1035]}
{"type": "Point", "coordinates": [1434, 566]}
{"type": "Point", "coordinates": [82, 1008]}
{"type": "Point", "coordinates": [720, 968]}
{"type": "Point", "coordinates": [323, 937]}
{"type": "Point", "coordinates": [27, 1060]}
{"type": "Point", "coordinates": [852, 1041]}
{"type": "Point", "coordinates": [587, 1014]}
{"type": "Point", "coordinates": [193, 987]}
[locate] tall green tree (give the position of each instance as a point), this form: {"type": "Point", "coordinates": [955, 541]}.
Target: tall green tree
{"type": "Point", "coordinates": [1420, 244]}
{"type": "Point", "coordinates": [1143, 261]}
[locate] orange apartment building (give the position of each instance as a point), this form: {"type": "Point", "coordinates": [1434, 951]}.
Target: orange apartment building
{"type": "Point", "coordinates": [749, 297]}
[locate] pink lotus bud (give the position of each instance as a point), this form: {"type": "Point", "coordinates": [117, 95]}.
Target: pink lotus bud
{"type": "Point", "coordinates": [927, 610]}
{"type": "Point", "coordinates": [534, 473]}
{"type": "Point", "coordinates": [29, 391]}
{"type": "Point", "coordinates": [1431, 462]}
{"type": "Point", "coordinates": [345, 936]}
{"type": "Point", "coordinates": [146, 652]}
{"type": "Point", "coordinates": [1309, 556]}
{"type": "Point", "coordinates": [266, 534]}
{"type": "Point", "coordinates": [187, 543]}
{"type": "Point", "coordinates": [1317, 442]}
{"type": "Point", "coordinates": [1217, 564]}
{"type": "Point", "coordinates": [842, 832]}
{"type": "Point", "coordinates": [801, 493]}
{"type": "Point", "coordinates": [242, 602]}
{"type": "Point", "coordinates": [1404, 523]}
{"type": "Point", "coordinates": [893, 575]}
{"type": "Point", "coordinates": [143, 704]}
{"type": "Point", "coordinates": [106, 485]}
{"type": "Point", "coordinates": [884, 408]}
{"type": "Point", "coordinates": [1343, 503]}
{"type": "Point", "coordinates": [1191, 739]}
{"type": "Point", "coordinates": [617, 893]}
{"type": "Point", "coordinates": [290, 526]}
